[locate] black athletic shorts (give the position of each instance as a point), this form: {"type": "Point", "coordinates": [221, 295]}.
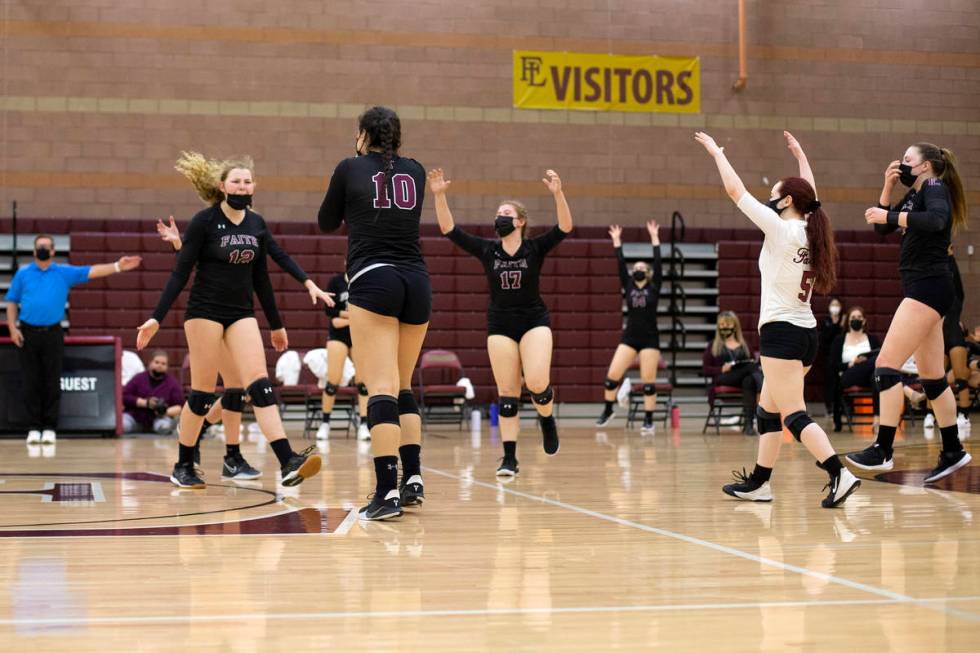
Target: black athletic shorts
{"type": "Point", "coordinates": [340, 335]}
{"type": "Point", "coordinates": [223, 320]}
{"type": "Point", "coordinates": [640, 340]}
{"type": "Point", "coordinates": [402, 293]}
{"type": "Point", "coordinates": [788, 342]}
{"type": "Point", "coordinates": [935, 292]}
{"type": "Point", "coordinates": [514, 323]}
{"type": "Point", "coordinates": [952, 331]}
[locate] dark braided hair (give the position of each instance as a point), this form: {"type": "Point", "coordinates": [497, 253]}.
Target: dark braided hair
{"type": "Point", "coordinates": [384, 131]}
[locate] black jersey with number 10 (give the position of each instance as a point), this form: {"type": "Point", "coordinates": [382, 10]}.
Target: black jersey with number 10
{"type": "Point", "coordinates": [382, 211]}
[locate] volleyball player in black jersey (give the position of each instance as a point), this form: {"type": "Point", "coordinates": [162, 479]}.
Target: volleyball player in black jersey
{"type": "Point", "coordinates": [229, 409]}
{"type": "Point", "coordinates": [641, 335]}
{"type": "Point", "coordinates": [933, 207]}
{"type": "Point", "coordinates": [519, 338]}
{"type": "Point", "coordinates": [227, 244]}
{"type": "Point", "coordinates": [338, 349]}
{"type": "Point", "coordinates": [957, 353]}
{"type": "Point", "coordinates": [379, 195]}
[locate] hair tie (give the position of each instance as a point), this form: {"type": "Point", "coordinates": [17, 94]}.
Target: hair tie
{"type": "Point", "coordinates": [814, 205]}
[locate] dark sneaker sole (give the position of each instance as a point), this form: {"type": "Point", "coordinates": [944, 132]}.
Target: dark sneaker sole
{"type": "Point", "coordinates": [963, 462]}
{"type": "Point", "coordinates": [849, 492]}
{"type": "Point", "coordinates": [884, 467]}
{"type": "Point", "coordinates": [412, 499]}
{"type": "Point", "coordinates": [309, 468]}
{"type": "Point", "coordinates": [380, 515]}
{"type": "Point", "coordinates": [201, 486]}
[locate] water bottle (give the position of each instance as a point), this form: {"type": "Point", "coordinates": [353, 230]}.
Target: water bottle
{"type": "Point", "coordinates": [475, 419]}
{"type": "Point", "coordinates": [494, 414]}
{"type": "Point", "coordinates": [675, 416]}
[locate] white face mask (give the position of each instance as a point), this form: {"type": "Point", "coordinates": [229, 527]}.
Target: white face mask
{"type": "Point", "coordinates": [835, 310]}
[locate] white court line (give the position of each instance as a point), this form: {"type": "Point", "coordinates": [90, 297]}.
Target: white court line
{"type": "Point", "coordinates": [479, 612]}
{"type": "Point", "coordinates": [347, 524]}
{"type": "Point", "coordinates": [803, 571]}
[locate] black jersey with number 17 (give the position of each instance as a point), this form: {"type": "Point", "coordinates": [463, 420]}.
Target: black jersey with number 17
{"type": "Point", "coordinates": [514, 279]}
{"type": "Point", "coordinates": [382, 212]}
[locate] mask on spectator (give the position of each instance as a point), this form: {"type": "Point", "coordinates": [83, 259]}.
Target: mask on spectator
{"type": "Point", "coordinates": [43, 253]}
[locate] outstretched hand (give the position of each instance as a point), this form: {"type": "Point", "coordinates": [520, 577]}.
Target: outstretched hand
{"type": "Point", "coordinates": [654, 230]}
{"type": "Point", "coordinates": [794, 145]}
{"type": "Point", "coordinates": [169, 233]}
{"type": "Point", "coordinates": [146, 331]}
{"type": "Point", "coordinates": [615, 232]}
{"type": "Point", "coordinates": [709, 144]}
{"type": "Point", "coordinates": [438, 184]}
{"type": "Point", "coordinates": [127, 263]}
{"type": "Point", "coordinates": [552, 181]}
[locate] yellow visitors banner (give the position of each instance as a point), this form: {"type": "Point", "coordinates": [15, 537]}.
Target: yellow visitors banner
{"type": "Point", "coordinates": [606, 82]}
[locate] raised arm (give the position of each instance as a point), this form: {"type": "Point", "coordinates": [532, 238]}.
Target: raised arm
{"type": "Point", "coordinates": [438, 185]}
{"type": "Point", "coordinates": [800, 156]}
{"type": "Point", "coordinates": [934, 218]}
{"type": "Point", "coordinates": [733, 185]}
{"type": "Point", "coordinates": [658, 269]}
{"type": "Point", "coordinates": [553, 182]}
{"type": "Point", "coordinates": [616, 232]}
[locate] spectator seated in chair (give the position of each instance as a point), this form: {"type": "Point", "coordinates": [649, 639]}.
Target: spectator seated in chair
{"type": "Point", "coordinates": [852, 357]}
{"type": "Point", "coordinates": [728, 362]}
{"type": "Point", "coordinates": [152, 399]}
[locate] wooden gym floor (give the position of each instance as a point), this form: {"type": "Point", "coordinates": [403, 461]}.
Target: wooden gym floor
{"type": "Point", "coordinates": [620, 542]}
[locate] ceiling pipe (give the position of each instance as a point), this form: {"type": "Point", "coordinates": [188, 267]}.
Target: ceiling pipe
{"type": "Point", "coordinates": [743, 75]}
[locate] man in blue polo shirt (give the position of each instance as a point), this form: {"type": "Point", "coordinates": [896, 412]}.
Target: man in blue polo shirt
{"type": "Point", "coordinates": [37, 297]}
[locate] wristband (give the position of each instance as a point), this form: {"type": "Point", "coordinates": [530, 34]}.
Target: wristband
{"type": "Point", "coordinates": [116, 264]}
{"type": "Point", "coordinates": [893, 218]}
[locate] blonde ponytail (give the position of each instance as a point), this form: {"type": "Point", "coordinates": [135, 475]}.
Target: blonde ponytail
{"type": "Point", "coordinates": [206, 174]}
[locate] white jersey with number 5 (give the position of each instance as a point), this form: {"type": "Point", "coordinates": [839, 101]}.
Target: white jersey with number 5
{"type": "Point", "coordinates": [784, 263]}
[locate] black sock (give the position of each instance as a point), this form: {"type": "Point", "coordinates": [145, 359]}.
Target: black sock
{"type": "Point", "coordinates": [510, 450]}
{"type": "Point", "coordinates": [282, 449]}
{"type": "Point", "coordinates": [409, 454]}
{"type": "Point", "coordinates": [186, 455]}
{"type": "Point", "coordinates": [609, 407]}
{"type": "Point", "coordinates": [386, 471]}
{"type": "Point", "coordinates": [951, 438]}
{"type": "Point", "coordinates": [832, 466]}
{"type": "Point", "coordinates": [648, 416]}
{"type": "Point", "coordinates": [200, 434]}
{"type": "Point", "coordinates": [326, 417]}
{"type": "Point", "coordinates": [761, 474]}
{"type": "Point", "coordinates": [886, 438]}
{"type": "Point", "coordinates": [233, 450]}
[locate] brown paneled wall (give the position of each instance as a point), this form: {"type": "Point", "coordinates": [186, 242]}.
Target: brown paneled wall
{"type": "Point", "coordinates": [98, 97]}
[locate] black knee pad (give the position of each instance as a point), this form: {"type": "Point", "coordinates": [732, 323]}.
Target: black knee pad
{"type": "Point", "coordinates": [382, 409]}
{"type": "Point", "coordinates": [362, 389]}
{"type": "Point", "coordinates": [200, 402]}
{"type": "Point", "coordinates": [767, 422]}
{"type": "Point", "coordinates": [261, 393]}
{"type": "Point", "coordinates": [611, 384]}
{"type": "Point", "coordinates": [959, 385]}
{"type": "Point", "coordinates": [934, 387]}
{"type": "Point", "coordinates": [329, 389]}
{"type": "Point", "coordinates": [544, 397]}
{"type": "Point", "coordinates": [796, 422]}
{"type": "Point", "coordinates": [649, 389]}
{"type": "Point", "coordinates": [886, 377]}
{"type": "Point", "coordinates": [233, 399]}
{"type": "Point", "coordinates": [509, 406]}
{"type": "Point", "coordinates": [407, 404]}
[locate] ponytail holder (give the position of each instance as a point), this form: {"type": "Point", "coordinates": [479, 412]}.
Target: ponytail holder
{"type": "Point", "coordinates": [814, 205]}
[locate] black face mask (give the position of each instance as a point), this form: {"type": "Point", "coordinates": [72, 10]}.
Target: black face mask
{"type": "Point", "coordinates": [856, 325]}
{"type": "Point", "coordinates": [156, 376]}
{"type": "Point", "coordinates": [43, 253]}
{"type": "Point", "coordinates": [504, 225]}
{"type": "Point", "coordinates": [726, 333]}
{"type": "Point", "coordinates": [772, 205]}
{"type": "Point", "coordinates": [905, 175]}
{"type": "Point", "coordinates": [239, 202]}
{"type": "Point", "coordinates": [639, 275]}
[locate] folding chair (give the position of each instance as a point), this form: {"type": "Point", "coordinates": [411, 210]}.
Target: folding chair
{"type": "Point", "coordinates": [440, 399]}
